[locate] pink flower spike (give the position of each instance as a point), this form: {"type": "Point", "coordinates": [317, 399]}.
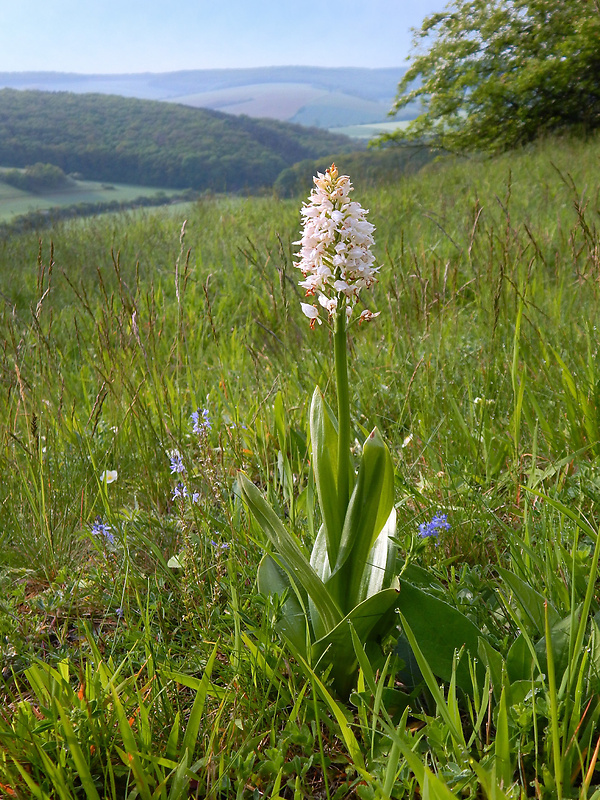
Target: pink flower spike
{"type": "Point", "coordinates": [335, 249]}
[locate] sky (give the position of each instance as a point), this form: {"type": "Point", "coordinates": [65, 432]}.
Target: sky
{"type": "Point", "coordinates": [120, 36]}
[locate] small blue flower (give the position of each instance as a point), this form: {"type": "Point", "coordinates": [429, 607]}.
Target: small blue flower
{"type": "Point", "coordinates": [202, 423]}
{"type": "Point", "coordinates": [177, 465]}
{"type": "Point", "coordinates": [437, 524]}
{"type": "Point", "coordinates": [100, 528]}
{"type": "Point", "coordinates": [240, 425]}
{"type": "Point", "coordinates": [179, 491]}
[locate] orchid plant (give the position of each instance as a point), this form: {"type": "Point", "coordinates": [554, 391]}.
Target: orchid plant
{"type": "Point", "coordinates": [346, 585]}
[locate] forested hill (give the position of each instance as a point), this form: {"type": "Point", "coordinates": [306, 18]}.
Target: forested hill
{"type": "Point", "coordinates": [125, 140]}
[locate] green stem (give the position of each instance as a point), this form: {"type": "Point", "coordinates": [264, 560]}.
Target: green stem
{"type": "Point", "coordinates": [341, 377]}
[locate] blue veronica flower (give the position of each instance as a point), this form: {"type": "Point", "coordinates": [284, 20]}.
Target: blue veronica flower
{"type": "Point", "coordinates": [179, 491]}
{"type": "Point", "coordinates": [221, 546]}
{"type": "Point", "coordinates": [100, 528]}
{"type": "Point", "coordinates": [201, 421]}
{"type": "Point", "coordinates": [437, 524]}
{"type": "Point", "coordinates": [177, 465]}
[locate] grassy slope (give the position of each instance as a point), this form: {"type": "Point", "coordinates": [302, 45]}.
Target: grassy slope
{"type": "Point", "coordinates": [464, 245]}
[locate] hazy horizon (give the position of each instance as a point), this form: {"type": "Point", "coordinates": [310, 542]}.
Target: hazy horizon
{"type": "Point", "coordinates": [104, 73]}
{"type": "Point", "coordinates": [141, 36]}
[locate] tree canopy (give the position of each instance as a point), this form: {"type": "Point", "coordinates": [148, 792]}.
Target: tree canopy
{"type": "Point", "coordinates": [495, 74]}
{"type": "Point", "coordinates": [36, 178]}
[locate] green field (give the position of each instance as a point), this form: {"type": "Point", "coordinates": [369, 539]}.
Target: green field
{"type": "Point", "coordinates": [14, 202]}
{"type": "Point", "coordinates": [140, 659]}
{"type": "Point", "coordinates": [370, 130]}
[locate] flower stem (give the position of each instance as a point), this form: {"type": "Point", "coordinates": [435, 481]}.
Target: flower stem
{"type": "Point", "coordinates": [343, 400]}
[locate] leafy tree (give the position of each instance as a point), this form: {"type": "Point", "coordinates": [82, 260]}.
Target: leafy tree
{"type": "Point", "coordinates": [495, 74]}
{"type": "Point", "coordinates": [36, 178]}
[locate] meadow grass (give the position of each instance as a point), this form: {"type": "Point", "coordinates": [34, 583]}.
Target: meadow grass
{"type": "Point", "coordinates": [145, 663]}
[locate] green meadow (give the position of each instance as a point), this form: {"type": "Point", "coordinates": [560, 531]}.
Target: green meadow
{"type": "Point", "coordinates": [139, 659]}
{"type": "Point", "coordinates": [370, 129]}
{"type": "Point", "coordinates": [15, 202]}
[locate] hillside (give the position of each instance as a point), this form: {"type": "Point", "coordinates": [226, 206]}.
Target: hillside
{"type": "Point", "coordinates": [145, 368]}
{"type": "Point", "coordinates": [371, 168]}
{"type": "Point", "coordinates": [151, 143]}
{"type": "Point", "coordinates": [319, 96]}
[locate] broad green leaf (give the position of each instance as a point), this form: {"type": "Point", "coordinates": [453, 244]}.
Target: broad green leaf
{"type": "Point", "coordinates": [408, 673]}
{"type": "Point", "coordinates": [293, 558]}
{"type": "Point", "coordinates": [319, 561]}
{"type": "Point", "coordinates": [393, 702]}
{"type": "Point", "coordinates": [378, 571]}
{"type": "Point", "coordinates": [440, 630]}
{"type": "Point", "coordinates": [560, 634]}
{"type": "Point", "coordinates": [369, 509]}
{"type": "Point", "coordinates": [324, 442]}
{"type": "Point", "coordinates": [381, 561]}
{"type": "Point", "coordinates": [517, 692]}
{"type": "Point", "coordinates": [273, 579]}
{"type": "Point", "coordinates": [520, 664]}
{"type": "Point", "coordinates": [372, 619]}
{"type": "Point", "coordinates": [319, 558]}
{"type": "Point", "coordinates": [424, 579]}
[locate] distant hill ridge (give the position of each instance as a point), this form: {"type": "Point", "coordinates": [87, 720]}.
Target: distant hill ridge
{"type": "Point", "coordinates": [151, 143]}
{"type": "Point", "coordinates": [327, 97]}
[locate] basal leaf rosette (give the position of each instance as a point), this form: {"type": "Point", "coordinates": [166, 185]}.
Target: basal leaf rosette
{"type": "Point", "coordinates": [335, 255]}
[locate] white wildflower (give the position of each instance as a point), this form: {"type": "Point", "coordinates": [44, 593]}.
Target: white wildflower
{"type": "Point", "coordinates": [109, 475]}
{"type": "Point", "coordinates": [335, 255]}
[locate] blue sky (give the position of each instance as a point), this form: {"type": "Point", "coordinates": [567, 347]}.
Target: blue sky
{"type": "Point", "coordinates": [112, 36]}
